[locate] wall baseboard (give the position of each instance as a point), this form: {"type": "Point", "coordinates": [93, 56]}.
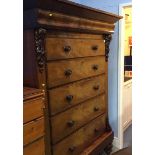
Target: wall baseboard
{"type": "Point", "coordinates": [116, 142]}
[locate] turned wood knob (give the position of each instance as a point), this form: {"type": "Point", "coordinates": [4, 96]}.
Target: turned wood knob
{"type": "Point", "coordinates": [71, 123]}
{"type": "Point", "coordinates": [72, 148]}
{"type": "Point", "coordinates": [50, 14]}
{"type": "Point", "coordinates": [68, 72]}
{"type": "Point", "coordinates": [69, 98]}
{"type": "Point", "coordinates": [95, 67]}
{"type": "Point", "coordinates": [43, 85]}
{"type": "Point", "coordinates": [96, 109]}
{"type": "Point", "coordinates": [95, 47]}
{"type": "Point", "coordinates": [96, 87]}
{"type": "Point", "coordinates": [67, 49]}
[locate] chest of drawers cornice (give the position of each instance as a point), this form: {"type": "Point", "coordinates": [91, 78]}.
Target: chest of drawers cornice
{"type": "Point", "coordinates": [66, 47]}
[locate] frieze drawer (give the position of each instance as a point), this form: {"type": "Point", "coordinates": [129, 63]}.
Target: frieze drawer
{"type": "Point", "coordinates": [64, 48]}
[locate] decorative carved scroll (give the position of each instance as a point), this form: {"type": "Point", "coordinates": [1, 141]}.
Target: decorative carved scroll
{"type": "Point", "coordinates": [40, 50]}
{"type": "Point", "coordinates": [107, 38]}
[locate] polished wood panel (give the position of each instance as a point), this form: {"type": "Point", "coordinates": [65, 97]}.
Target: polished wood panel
{"type": "Point", "coordinates": [35, 148]}
{"type": "Point", "coordinates": [32, 109]}
{"type": "Point", "coordinates": [33, 130]}
{"type": "Point", "coordinates": [65, 71]}
{"type": "Point", "coordinates": [64, 97]}
{"type": "Point", "coordinates": [68, 121]}
{"type": "Point", "coordinates": [79, 140]}
{"type": "Point", "coordinates": [30, 78]}
{"type": "Point", "coordinates": [63, 48]}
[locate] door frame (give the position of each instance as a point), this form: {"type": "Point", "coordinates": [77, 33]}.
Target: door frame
{"type": "Point", "coordinates": [121, 73]}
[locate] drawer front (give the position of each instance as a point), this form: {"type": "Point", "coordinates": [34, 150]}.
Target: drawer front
{"type": "Point", "coordinates": [35, 148]}
{"type": "Point", "coordinates": [66, 96]}
{"type": "Point", "coordinates": [33, 130]}
{"type": "Point", "coordinates": [32, 109]}
{"type": "Point", "coordinates": [63, 48]}
{"type": "Point", "coordinates": [65, 123]}
{"type": "Point", "coordinates": [65, 71]}
{"type": "Point", "coordinates": [75, 143]}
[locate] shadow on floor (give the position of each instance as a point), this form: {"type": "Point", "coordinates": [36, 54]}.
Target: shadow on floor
{"type": "Point", "coordinates": [127, 138]}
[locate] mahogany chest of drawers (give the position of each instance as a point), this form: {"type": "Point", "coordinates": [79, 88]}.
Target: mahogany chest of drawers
{"type": "Point", "coordinates": [33, 122]}
{"type": "Point", "coordinates": [66, 50]}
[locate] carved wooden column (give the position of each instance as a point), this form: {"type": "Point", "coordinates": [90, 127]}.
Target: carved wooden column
{"type": "Point", "coordinates": [40, 35]}
{"type": "Point", "coordinates": [107, 38]}
{"type": "Point", "coordinates": [40, 49]}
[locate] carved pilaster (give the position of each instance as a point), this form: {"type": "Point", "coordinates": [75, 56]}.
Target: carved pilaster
{"type": "Point", "coordinates": [107, 38]}
{"type": "Point", "coordinates": [40, 49]}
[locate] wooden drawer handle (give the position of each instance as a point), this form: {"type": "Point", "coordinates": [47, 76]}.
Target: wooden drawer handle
{"type": "Point", "coordinates": [72, 149]}
{"type": "Point", "coordinates": [68, 72]}
{"type": "Point", "coordinates": [96, 109]}
{"type": "Point", "coordinates": [95, 47]}
{"type": "Point", "coordinates": [96, 87]}
{"type": "Point", "coordinates": [69, 98]}
{"type": "Point", "coordinates": [71, 123]}
{"type": "Point", "coordinates": [67, 49]}
{"type": "Point", "coordinates": [95, 67]}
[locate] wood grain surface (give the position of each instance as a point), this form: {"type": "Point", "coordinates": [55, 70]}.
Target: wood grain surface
{"type": "Point", "coordinates": [78, 92]}
{"type": "Point", "coordinates": [33, 130]}
{"type": "Point", "coordinates": [65, 123]}
{"type": "Point", "coordinates": [79, 140]}
{"type": "Point", "coordinates": [66, 71]}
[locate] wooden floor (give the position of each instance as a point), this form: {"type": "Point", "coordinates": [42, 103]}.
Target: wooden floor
{"type": "Point", "coordinates": [125, 151]}
{"type": "Point", "coordinates": [127, 142]}
{"type": "Point", "coordinates": [127, 138]}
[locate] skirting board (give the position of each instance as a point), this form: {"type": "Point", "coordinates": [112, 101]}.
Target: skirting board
{"type": "Point", "coordinates": [116, 142]}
